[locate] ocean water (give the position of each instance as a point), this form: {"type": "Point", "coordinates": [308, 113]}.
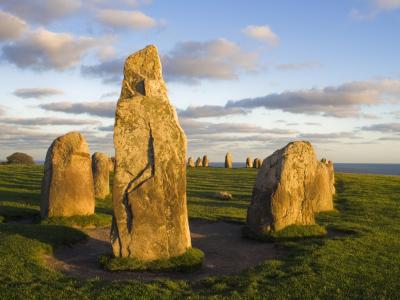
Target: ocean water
{"type": "Point", "coordinates": [385, 169]}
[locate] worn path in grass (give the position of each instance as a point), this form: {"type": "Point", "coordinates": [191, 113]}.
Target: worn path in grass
{"type": "Point", "coordinates": [226, 252]}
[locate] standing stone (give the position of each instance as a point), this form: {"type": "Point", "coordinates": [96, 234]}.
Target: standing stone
{"type": "Point", "coordinates": [101, 175]}
{"type": "Point", "coordinates": [205, 161]}
{"type": "Point", "coordinates": [149, 194]}
{"type": "Point", "coordinates": [228, 160]}
{"type": "Point", "coordinates": [191, 162]}
{"type": "Point", "coordinates": [257, 163]}
{"type": "Point", "coordinates": [249, 162]}
{"type": "Point", "coordinates": [290, 187]}
{"type": "Point", "coordinates": [111, 163]}
{"type": "Point", "coordinates": [67, 185]}
{"type": "Point", "coordinates": [199, 162]}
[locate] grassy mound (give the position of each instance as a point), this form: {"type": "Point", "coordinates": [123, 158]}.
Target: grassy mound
{"type": "Point", "coordinates": [95, 220]}
{"type": "Point", "coordinates": [292, 232]}
{"type": "Point", "coordinates": [190, 261]}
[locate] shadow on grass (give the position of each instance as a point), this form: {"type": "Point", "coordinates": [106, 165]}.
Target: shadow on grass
{"type": "Point", "coordinates": [50, 234]}
{"type": "Point", "coordinates": [26, 197]}
{"type": "Point", "coordinates": [16, 213]}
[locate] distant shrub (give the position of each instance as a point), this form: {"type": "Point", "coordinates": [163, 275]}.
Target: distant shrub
{"type": "Point", "coordinates": [20, 158]}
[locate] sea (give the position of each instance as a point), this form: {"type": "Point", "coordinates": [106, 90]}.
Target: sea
{"type": "Point", "coordinates": [384, 169]}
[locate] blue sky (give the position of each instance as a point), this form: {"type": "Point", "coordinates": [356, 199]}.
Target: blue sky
{"type": "Point", "coordinates": [245, 76]}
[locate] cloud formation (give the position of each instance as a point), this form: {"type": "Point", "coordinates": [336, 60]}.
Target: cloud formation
{"type": "Point", "coordinates": [42, 49]}
{"type": "Point", "coordinates": [125, 19]}
{"type": "Point", "coordinates": [218, 59]}
{"type": "Point", "coordinates": [41, 11]}
{"type": "Point", "coordinates": [110, 71]}
{"type": "Point", "coordinates": [26, 93]}
{"type": "Point", "coordinates": [205, 111]}
{"type": "Point", "coordinates": [383, 127]}
{"type": "Point", "coordinates": [298, 66]}
{"type": "Point", "coordinates": [101, 109]}
{"type": "Point", "coordinates": [262, 33]}
{"type": "Point", "coordinates": [46, 121]}
{"type": "Point", "coordinates": [345, 100]}
{"type": "Point", "coordinates": [11, 27]}
{"type": "Point", "coordinates": [374, 8]}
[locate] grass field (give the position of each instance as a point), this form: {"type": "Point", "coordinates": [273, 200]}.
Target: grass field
{"type": "Point", "coordinates": [361, 261]}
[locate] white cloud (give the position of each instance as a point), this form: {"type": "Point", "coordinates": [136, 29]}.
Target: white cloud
{"type": "Point", "coordinates": [218, 59]}
{"type": "Point", "coordinates": [36, 92]}
{"type": "Point", "coordinates": [345, 100]}
{"type": "Point", "coordinates": [41, 11]}
{"type": "Point", "coordinates": [42, 121]}
{"type": "Point", "coordinates": [42, 49]}
{"type": "Point", "coordinates": [262, 33]}
{"type": "Point", "coordinates": [125, 19]}
{"type": "Point", "coordinates": [101, 109]}
{"type": "Point", "coordinates": [375, 7]}
{"type": "Point", "coordinates": [11, 27]}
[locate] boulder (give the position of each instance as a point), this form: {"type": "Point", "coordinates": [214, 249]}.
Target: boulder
{"type": "Point", "coordinates": [20, 158]}
{"type": "Point", "coordinates": [67, 185]}
{"type": "Point", "coordinates": [249, 162]}
{"type": "Point", "coordinates": [190, 162]}
{"type": "Point", "coordinates": [199, 162]}
{"type": "Point", "coordinates": [223, 196]}
{"type": "Point", "coordinates": [101, 175]}
{"type": "Point", "coordinates": [228, 160]}
{"type": "Point", "coordinates": [290, 187]}
{"type": "Point", "coordinates": [205, 161]}
{"type": "Point", "coordinates": [149, 193]}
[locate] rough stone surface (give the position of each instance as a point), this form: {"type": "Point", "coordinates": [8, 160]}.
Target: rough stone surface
{"type": "Point", "coordinates": [290, 187]}
{"type": "Point", "coordinates": [249, 162]}
{"type": "Point", "coordinates": [67, 185]}
{"type": "Point", "coordinates": [257, 163]}
{"type": "Point", "coordinates": [228, 160]}
{"type": "Point", "coordinates": [199, 162]}
{"type": "Point", "coordinates": [149, 194]}
{"type": "Point", "coordinates": [223, 196]}
{"type": "Point", "coordinates": [190, 162]}
{"type": "Point", "coordinates": [205, 161]}
{"type": "Point", "coordinates": [101, 175]}
{"type": "Point", "coordinates": [111, 163]}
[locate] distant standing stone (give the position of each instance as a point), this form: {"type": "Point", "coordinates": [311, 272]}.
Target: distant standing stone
{"type": "Point", "coordinates": [257, 163]}
{"type": "Point", "coordinates": [111, 162]}
{"type": "Point", "coordinates": [190, 162]}
{"type": "Point", "coordinates": [205, 161]}
{"type": "Point", "coordinates": [290, 187]}
{"type": "Point", "coordinates": [249, 162]}
{"type": "Point", "coordinates": [228, 160]}
{"type": "Point", "coordinates": [101, 175]}
{"type": "Point", "coordinates": [149, 193]}
{"type": "Point", "coordinates": [199, 162]}
{"type": "Point", "coordinates": [67, 185]}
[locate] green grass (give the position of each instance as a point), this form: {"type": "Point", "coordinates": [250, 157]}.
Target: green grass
{"type": "Point", "coordinates": [95, 220]}
{"type": "Point", "coordinates": [190, 261]}
{"type": "Point", "coordinates": [291, 232]}
{"type": "Point", "coordinates": [362, 261]}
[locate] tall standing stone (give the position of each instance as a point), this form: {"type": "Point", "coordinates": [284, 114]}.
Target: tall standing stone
{"type": "Point", "coordinates": [149, 194]}
{"type": "Point", "coordinates": [290, 187]}
{"type": "Point", "coordinates": [205, 161]}
{"type": "Point", "coordinates": [199, 162]}
{"type": "Point", "coordinates": [228, 160]}
{"type": "Point", "coordinates": [111, 162]}
{"type": "Point", "coordinates": [257, 163]}
{"type": "Point", "coordinates": [101, 175]}
{"type": "Point", "coordinates": [67, 185]}
{"type": "Point", "coordinates": [249, 162]}
{"type": "Point", "coordinates": [190, 162]}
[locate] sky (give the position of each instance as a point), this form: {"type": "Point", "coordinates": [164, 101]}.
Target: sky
{"type": "Point", "coordinates": [246, 77]}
